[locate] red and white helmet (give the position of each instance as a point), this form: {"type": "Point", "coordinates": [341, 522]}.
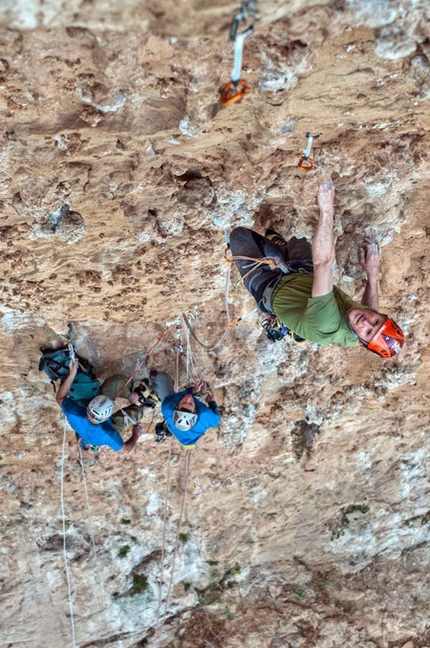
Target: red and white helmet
{"type": "Point", "coordinates": [388, 341]}
{"type": "Point", "coordinates": [184, 421]}
{"type": "Point", "coordinates": [100, 409]}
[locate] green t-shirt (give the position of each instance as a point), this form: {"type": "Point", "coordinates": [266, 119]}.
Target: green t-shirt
{"type": "Point", "coordinates": [317, 319]}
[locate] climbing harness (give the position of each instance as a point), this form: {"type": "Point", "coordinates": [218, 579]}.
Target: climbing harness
{"type": "Point", "coordinates": [274, 329]}
{"type": "Point", "coordinates": [237, 88]}
{"type": "Point", "coordinates": [306, 162]}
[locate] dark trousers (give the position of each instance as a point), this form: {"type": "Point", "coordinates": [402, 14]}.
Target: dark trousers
{"type": "Point", "coordinates": [295, 253]}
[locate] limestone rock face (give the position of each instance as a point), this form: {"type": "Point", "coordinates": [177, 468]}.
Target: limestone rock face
{"type": "Point", "coordinates": [307, 518]}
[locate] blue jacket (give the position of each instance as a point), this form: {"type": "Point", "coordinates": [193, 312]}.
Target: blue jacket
{"type": "Point", "coordinates": [103, 434]}
{"type": "Point", "coordinates": [207, 417]}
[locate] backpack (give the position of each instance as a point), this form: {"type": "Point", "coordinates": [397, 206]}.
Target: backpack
{"type": "Point", "coordinates": [55, 363]}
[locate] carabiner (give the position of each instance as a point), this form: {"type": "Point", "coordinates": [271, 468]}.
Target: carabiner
{"type": "Point", "coordinates": [226, 257]}
{"type": "Point", "coordinates": [309, 161]}
{"type": "Point", "coordinates": [231, 92]}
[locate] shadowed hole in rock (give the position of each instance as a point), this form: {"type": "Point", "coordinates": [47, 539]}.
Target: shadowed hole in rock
{"type": "Point", "coordinates": [303, 437]}
{"type": "Point", "coordinates": [65, 223]}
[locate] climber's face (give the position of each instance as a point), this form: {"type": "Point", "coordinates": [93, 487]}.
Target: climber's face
{"type": "Point", "coordinates": [365, 322]}
{"type": "Point", "coordinates": [187, 404]}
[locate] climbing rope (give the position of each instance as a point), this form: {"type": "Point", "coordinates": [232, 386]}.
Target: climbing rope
{"type": "Point", "coordinates": [237, 88]}
{"type": "Point", "coordinates": [187, 358]}
{"type": "Point", "coordinates": [191, 369]}
{"type": "Point", "coordinates": [208, 347]}
{"type": "Point", "coordinates": [102, 593]}
{"type": "Point", "coordinates": [179, 350]}
{"type": "Point", "coordinates": [163, 545]}
{"type": "Point", "coordinates": [66, 565]}
{"type": "Point", "coordinates": [231, 322]}
{"type": "Point", "coordinates": [196, 483]}
{"type": "Point", "coordinates": [194, 372]}
{"type": "Point", "coordinates": [178, 532]}
{"type": "Point", "coordinates": [142, 362]}
{"type": "Point", "coordinates": [67, 337]}
{"type": "Point", "coordinates": [272, 261]}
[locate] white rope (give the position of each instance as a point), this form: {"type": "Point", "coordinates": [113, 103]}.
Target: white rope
{"type": "Point", "coordinates": [187, 367]}
{"type": "Point", "coordinates": [176, 383]}
{"type": "Point", "coordinates": [102, 593]}
{"type": "Point", "coordinates": [129, 419]}
{"type": "Point", "coordinates": [178, 532]}
{"type": "Point", "coordinates": [163, 546]}
{"type": "Point", "coordinates": [69, 590]}
{"type": "Point", "coordinates": [198, 373]}
{"type": "Point", "coordinates": [193, 376]}
{"type": "Point", "coordinates": [166, 500]}
{"type": "Point", "coordinates": [238, 49]}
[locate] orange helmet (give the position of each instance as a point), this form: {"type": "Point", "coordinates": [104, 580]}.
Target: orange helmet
{"type": "Point", "coordinates": [388, 341]}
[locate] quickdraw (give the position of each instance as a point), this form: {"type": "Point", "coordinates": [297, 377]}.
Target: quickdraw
{"type": "Point", "coordinates": [305, 162]}
{"type": "Point", "coordinates": [237, 88]}
{"type": "Point", "coordinates": [235, 321]}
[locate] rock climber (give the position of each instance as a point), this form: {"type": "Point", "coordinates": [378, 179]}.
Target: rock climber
{"type": "Point", "coordinates": [297, 287]}
{"type": "Point", "coordinates": [97, 424]}
{"type": "Point", "coordinates": [188, 413]}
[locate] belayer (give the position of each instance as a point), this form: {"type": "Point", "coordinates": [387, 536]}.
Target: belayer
{"type": "Point", "coordinates": [96, 424]}
{"type": "Point", "coordinates": [292, 282]}
{"type": "Point", "coordinates": [188, 413]}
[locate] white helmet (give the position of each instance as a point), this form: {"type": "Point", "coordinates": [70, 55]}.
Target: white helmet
{"type": "Point", "coordinates": [100, 409]}
{"type": "Point", "coordinates": [184, 421]}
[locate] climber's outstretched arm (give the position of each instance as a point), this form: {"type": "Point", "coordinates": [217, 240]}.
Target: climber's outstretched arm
{"type": "Point", "coordinates": [64, 389]}
{"type": "Point", "coordinates": [369, 256]}
{"type": "Point", "coordinates": [323, 242]}
{"type": "Point", "coordinates": [130, 444]}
